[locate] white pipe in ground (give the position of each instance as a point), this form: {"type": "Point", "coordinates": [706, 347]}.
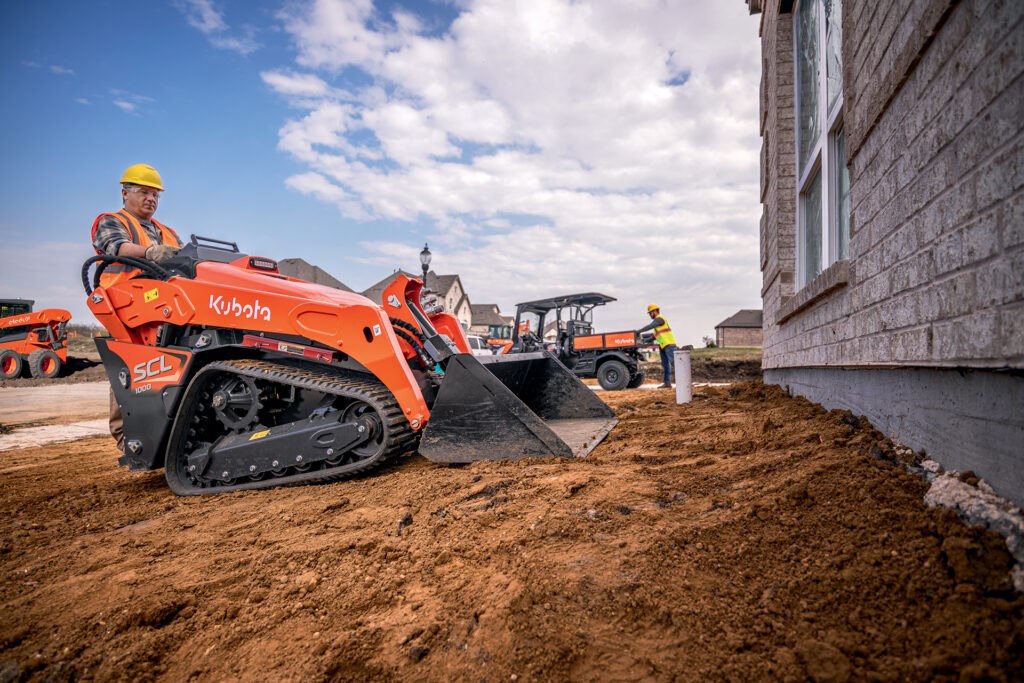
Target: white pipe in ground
{"type": "Point", "coordinates": [684, 388]}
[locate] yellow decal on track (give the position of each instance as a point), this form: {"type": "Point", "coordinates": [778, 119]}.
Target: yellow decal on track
{"type": "Point", "coordinates": [151, 295]}
{"type": "Point", "coordinates": [259, 435]}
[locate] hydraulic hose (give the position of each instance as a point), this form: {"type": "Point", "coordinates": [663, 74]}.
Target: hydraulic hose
{"type": "Point", "coordinates": [105, 260]}
{"type": "Point", "coordinates": [416, 346]}
{"type": "Point", "coordinates": [408, 326]}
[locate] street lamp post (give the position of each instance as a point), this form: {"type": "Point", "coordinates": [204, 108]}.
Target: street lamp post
{"type": "Point", "coordinates": [425, 261]}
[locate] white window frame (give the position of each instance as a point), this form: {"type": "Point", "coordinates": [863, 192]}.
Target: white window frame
{"type": "Point", "coordinates": [821, 156]}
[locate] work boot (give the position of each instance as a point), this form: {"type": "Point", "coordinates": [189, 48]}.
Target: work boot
{"type": "Point", "coordinates": [666, 385]}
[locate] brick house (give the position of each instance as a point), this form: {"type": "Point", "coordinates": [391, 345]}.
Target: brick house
{"type": "Point", "coordinates": [300, 269]}
{"type": "Point", "coordinates": [892, 231]}
{"type": "Point", "coordinates": [447, 290]}
{"type": "Point", "coordinates": [488, 320]}
{"type": "Point", "coordinates": [740, 330]}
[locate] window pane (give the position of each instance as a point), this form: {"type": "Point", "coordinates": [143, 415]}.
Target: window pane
{"type": "Point", "coordinates": [842, 176]}
{"type": "Point", "coordinates": [810, 208]}
{"type": "Point", "coordinates": [810, 73]}
{"type": "Point", "coordinates": [834, 49]}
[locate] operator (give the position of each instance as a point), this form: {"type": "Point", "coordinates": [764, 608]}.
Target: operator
{"type": "Point", "coordinates": [132, 231]}
{"type": "Point", "coordinates": [666, 342]}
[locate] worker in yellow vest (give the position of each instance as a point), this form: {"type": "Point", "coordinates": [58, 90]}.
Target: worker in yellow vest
{"type": "Point", "coordinates": [666, 342]}
{"type": "Point", "coordinates": [132, 231]}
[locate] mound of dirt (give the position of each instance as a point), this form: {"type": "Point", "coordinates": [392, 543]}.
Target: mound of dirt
{"type": "Point", "coordinates": [712, 369]}
{"type": "Point", "coordinates": [745, 536]}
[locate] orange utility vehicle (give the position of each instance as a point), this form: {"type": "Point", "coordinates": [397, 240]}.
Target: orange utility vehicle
{"type": "Point", "coordinates": [499, 338]}
{"type": "Point", "coordinates": [612, 357]}
{"type": "Point", "coordinates": [231, 376]}
{"type": "Point", "coordinates": [37, 339]}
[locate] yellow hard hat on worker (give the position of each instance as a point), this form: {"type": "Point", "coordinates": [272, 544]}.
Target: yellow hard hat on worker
{"type": "Point", "coordinates": [142, 174]}
{"type": "Point", "coordinates": [652, 307]}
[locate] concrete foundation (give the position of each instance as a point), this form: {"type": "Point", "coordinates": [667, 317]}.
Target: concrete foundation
{"type": "Point", "coordinates": [964, 419]}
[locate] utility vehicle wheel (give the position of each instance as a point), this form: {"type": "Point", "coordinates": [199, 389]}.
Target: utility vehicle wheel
{"type": "Point", "coordinates": [636, 380]}
{"type": "Point", "coordinates": [612, 375]}
{"type": "Point", "coordinates": [44, 364]}
{"type": "Point", "coordinates": [10, 364]}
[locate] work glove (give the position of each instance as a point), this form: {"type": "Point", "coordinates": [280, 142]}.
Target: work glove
{"type": "Point", "coordinates": [161, 252]}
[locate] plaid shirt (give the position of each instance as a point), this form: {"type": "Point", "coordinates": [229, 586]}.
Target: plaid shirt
{"type": "Point", "coordinates": [111, 234]}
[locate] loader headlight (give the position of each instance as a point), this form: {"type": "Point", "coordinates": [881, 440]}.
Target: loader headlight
{"type": "Point", "coordinates": [260, 263]}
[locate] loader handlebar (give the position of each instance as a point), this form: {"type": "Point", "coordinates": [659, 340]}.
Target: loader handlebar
{"type": "Point", "coordinates": [152, 269]}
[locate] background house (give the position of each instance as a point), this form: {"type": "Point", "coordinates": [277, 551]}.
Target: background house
{"type": "Point", "coordinates": [892, 232]}
{"type": "Point", "coordinates": [301, 270]}
{"type": "Point", "coordinates": [446, 289]}
{"type": "Point", "coordinates": [742, 329]}
{"type": "Point", "coordinates": [488, 320]}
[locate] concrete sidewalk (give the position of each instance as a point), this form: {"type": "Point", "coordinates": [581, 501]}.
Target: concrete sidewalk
{"type": "Point", "coordinates": [32, 404]}
{"type": "Point", "coordinates": [42, 436]}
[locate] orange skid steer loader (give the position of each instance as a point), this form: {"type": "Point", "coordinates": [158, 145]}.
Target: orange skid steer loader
{"type": "Point", "coordinates": [231, 376]}
{"type": "Point", "coordinates": [37, 340]}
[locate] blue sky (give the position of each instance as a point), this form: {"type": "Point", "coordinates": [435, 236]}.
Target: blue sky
{"type": "Point", "coordinates": [541, 146]}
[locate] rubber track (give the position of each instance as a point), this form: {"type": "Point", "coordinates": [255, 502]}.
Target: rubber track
{"type": "Point", "coordinates": [401, 438]}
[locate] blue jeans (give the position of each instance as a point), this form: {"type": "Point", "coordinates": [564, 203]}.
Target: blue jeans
{"type": "Point", "coordinates": [668, 361]}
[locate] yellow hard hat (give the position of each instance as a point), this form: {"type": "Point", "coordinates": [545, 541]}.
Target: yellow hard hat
{"type": "Point", "coordinates": [652, 307]}
{"type": "Point", "coordinates": [142, 174]}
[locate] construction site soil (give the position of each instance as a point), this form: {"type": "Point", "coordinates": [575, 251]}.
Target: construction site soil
{"type": "Point", "coordinates": [745, 536]}
{"type": "Point", "coordinates": [77, 369]}
{"type": "Point", "coordinates": [711, 369]}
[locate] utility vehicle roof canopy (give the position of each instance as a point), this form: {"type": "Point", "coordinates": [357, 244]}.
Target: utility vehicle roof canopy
{"type": "Point", "coordinates": [585, 299]}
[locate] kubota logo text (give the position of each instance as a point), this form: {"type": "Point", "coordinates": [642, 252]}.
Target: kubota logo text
{"type": "Point", "coordinates": [252, 311]}
{"type": "Point", "coordinates": [19, 320]}
{"type": "Point", "coordinates": [146, 369]}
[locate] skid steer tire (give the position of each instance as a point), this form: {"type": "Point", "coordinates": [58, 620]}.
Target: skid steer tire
{"type": "Point", "coordinates": [44, 364]}
{"type": "Point", "coordinates": [612, 375]}
{"type": "Point", "coordinates": [10, 364]}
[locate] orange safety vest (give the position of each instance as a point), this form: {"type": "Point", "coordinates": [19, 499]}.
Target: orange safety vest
{"type": "Point", "coordinates": [115, 273]}
{"type": "Point", "coordinates": [663, 334]}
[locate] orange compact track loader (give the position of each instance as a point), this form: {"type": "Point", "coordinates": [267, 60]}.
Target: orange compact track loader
{"type": "Point", "coordinates": [37, 340]}
{"type": "Point", "coordinates": [231, 376]}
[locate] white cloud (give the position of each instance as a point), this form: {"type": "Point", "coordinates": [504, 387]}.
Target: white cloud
{"type": "Point", "coordinates": [128, 102]}
{"type": "Point", "coordinates": [82, 100]}
{"type": "Point", "coordinates": [296, 84]}
{"type": "Point", "coordinates": [52, 68]}
{"type": "Point", "coordinates": [547, 145]}
{"type": "Point", "coordinates": [200, 14]}
{"type": "Point", "coordinates": [208, 20]}
{"type": "Point", "coordinates": [243, 45]}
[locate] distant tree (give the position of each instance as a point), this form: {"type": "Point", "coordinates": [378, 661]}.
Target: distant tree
{"type": "Point", "coordinates": [709, 343]}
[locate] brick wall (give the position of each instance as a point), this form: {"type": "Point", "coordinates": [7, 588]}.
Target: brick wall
{"type": "Point", "coordinates": [778, 163]}
{"type": "Point", "coordinates": [738, 336]}
{"type": "Point", "coordinates": [933, 99]}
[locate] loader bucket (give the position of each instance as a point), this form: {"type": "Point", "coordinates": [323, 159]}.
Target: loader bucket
{"type": "Point", "coordinates": [526, 405]}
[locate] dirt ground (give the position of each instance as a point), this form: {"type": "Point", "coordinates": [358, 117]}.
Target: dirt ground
{"type": "Point", "coordinates": [745, 536]}
{"type": "Point", "coordinates": [711, 369]}
{"type": "Point", "coordinates": [81, 368]}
